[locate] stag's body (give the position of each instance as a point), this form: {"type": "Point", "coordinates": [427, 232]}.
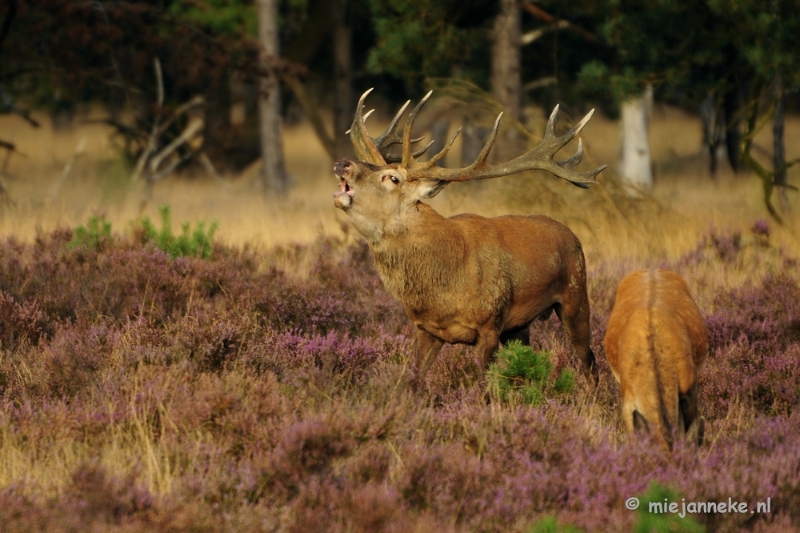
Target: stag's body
{"type": "Point", "coordinates": [656, 343]}
{"type": "Point", "coordinates": [469, 279]}
{"type": "Point", "coordinates": [466, 279]}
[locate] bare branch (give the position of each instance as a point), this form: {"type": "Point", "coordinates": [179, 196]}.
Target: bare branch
{"type": "Point", "coordinates": [67, 169]}
{"type": "Point", "coordinates": [547, 18]}
{"type": "Point", "coordinates": [12, 107]}
{"type": "Point", "coordinates": [11, 147]}
{"type": "Point", "coordinates": [152, 142]}
{"type": "Point", "coordinates": [534, 35]}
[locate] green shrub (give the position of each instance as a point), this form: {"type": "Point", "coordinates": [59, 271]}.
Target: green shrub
{"type": "Point", "coordinates": [665, 522]}
{"type": "Point", "coordinates": [549, 524]}
{"type": "Point", "coordinates": [197, 243]}
{"type": "Point", "coordinates": [521, 375]}
{"type": "Point", "coordinates": [94, 234]}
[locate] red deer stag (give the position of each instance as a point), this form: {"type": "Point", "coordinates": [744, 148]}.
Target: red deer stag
{"type": "Point", "coordinates": [466, 279]}
{"type": "Point", "coordinates": [656, 344]}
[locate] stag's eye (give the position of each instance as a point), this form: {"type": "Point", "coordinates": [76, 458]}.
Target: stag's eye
{"type": "Point", "coordinates": [394, 179]}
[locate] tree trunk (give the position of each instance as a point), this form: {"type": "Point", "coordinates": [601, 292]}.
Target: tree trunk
{"type": "Point", "coordinates": [732, 105]}
{"type": "Point", "coordinates": [274, 176]}
{"type": "Point", "coordinates": [713, 130]}
{"type": "Point", "coordinates": [217, 118]}
{"type": "Point", "coordinates": [778, 145]}
{"type": "Point", "coordinates": [635, 166]}
{"type": "Point", "coordinates": [343, 104]}
{"type": "Point", "coordinates": [505, 82]}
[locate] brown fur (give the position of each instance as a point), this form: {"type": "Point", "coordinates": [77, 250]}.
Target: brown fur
{"type": "Point", "coordinates": [466, 279]}
{"type": "Point", "coordinates": [656, 344]}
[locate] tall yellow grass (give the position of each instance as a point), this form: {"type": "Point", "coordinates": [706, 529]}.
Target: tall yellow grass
{"type": "Point", "coordinates": [666, 222]}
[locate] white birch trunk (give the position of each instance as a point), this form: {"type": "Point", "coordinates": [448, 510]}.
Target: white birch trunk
{"type": "Point", "coordinates": [634, 167]}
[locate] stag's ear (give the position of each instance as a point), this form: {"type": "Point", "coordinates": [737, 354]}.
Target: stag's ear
{"type": "Point", "coordinates": [430, 188]}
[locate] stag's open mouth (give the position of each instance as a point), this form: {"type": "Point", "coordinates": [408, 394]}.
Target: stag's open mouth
{"type": "Point", "coordinates": [345, 187]}
{"type": "Point", "coordinates": [343, 198]}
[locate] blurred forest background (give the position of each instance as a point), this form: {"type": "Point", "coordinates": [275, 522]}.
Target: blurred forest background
{"type": "Point", "coordinates": [234, 110]}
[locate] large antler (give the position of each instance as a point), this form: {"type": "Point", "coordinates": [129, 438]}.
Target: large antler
{"type": "Point", "coordinates": [539, 158]}
{"type": "Point", "coordinates": [375, 150]}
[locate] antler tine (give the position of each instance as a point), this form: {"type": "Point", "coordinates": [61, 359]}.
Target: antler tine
{"type": "Point", "coordinates": [390, 136]}
{"type": "Point", "coordinates": [407, 155]}
{"type": "Point", "coordinates": [573, 161]}
{"type": "Point", "coordinates": [481, 160]}
{"type": "Point", "coordinates": [550, 130]}
{"type": "Point", "coordinates": [539, 158]}
{"type": "Point", "coordinates": [397, 159]}
{"type": "Point", "coordinates": [443, 152]}
{"type": "Point", "coordinates": [363, 145]}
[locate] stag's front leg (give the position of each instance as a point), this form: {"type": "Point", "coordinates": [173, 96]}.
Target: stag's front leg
{"type": "Point", "coordinates": [487, 345]}
{"type": "Point", "coordinates": [426, 349]}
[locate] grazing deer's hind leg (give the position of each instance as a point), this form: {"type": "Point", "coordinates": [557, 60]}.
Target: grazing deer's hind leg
{"type": "Point", "coordinates": [693, 425]}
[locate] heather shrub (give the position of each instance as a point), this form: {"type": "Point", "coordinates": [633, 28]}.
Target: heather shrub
{"type": "Point", "coordinates": [311, 309]}
{"type": "Point", "coordinates": [724, 245]}
{"type": "Point", "coordinates": [521, 375]}
{"type": "Point", "coordinates": [263, 391]}
{"type": "Point", "coordinates": [768, 382]}
{"type": "Point", "coordinates": [765, 315]}
{"type": "Point", "coordinates": [20, 323]}
{"type": "Point", "coordinates": [306, 450]}
{"type": "Point", "coordinates": [334, 359]}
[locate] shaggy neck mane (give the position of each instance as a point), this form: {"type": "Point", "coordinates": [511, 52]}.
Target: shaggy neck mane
{"type": "Point", "coordinates": [421, 259]}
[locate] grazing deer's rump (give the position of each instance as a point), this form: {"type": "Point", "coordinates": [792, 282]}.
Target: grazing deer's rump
{"type": "Point", "coordinates": [656, 343]}
{"type": "Point", "coordinates": [465, 279]}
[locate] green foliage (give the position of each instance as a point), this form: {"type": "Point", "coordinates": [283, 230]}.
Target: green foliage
{"type": "Point", "coordinates": [549, 524]}
{"type": "Point", "coordinates": [94, 234]}
{"type": "Point", "coordinates": [197, 243]}
{"type": "Point", "coordinates": [667, 522]}
{"type": "Point", "coordinates": [226, 17]}
{"type": "Point", "coordinates": [693, 47]}
{"type": "Point", "coordinates": [521, 375]}
{"type": "Point", "coordinates": [416, 40]}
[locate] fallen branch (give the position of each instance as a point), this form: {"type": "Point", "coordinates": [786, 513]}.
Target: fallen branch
{"type": "Point", "coordinates": [186, 135]}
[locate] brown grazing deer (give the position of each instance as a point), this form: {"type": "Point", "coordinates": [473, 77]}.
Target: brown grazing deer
{"type": "Point", "coordinates": [466, 279]}
{"type": "Point", "coordinates": [656, 344]}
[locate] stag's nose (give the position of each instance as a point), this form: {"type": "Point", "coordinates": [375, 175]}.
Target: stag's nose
{"type": "Point", "coordinates": [343, 168]}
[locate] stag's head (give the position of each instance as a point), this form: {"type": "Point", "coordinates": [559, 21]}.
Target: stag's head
{"type": "Point", "coordinates": [379, 191]}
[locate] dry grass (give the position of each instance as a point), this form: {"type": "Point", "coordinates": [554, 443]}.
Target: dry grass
{"type": "Point", "coordinates": [668, 222]}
